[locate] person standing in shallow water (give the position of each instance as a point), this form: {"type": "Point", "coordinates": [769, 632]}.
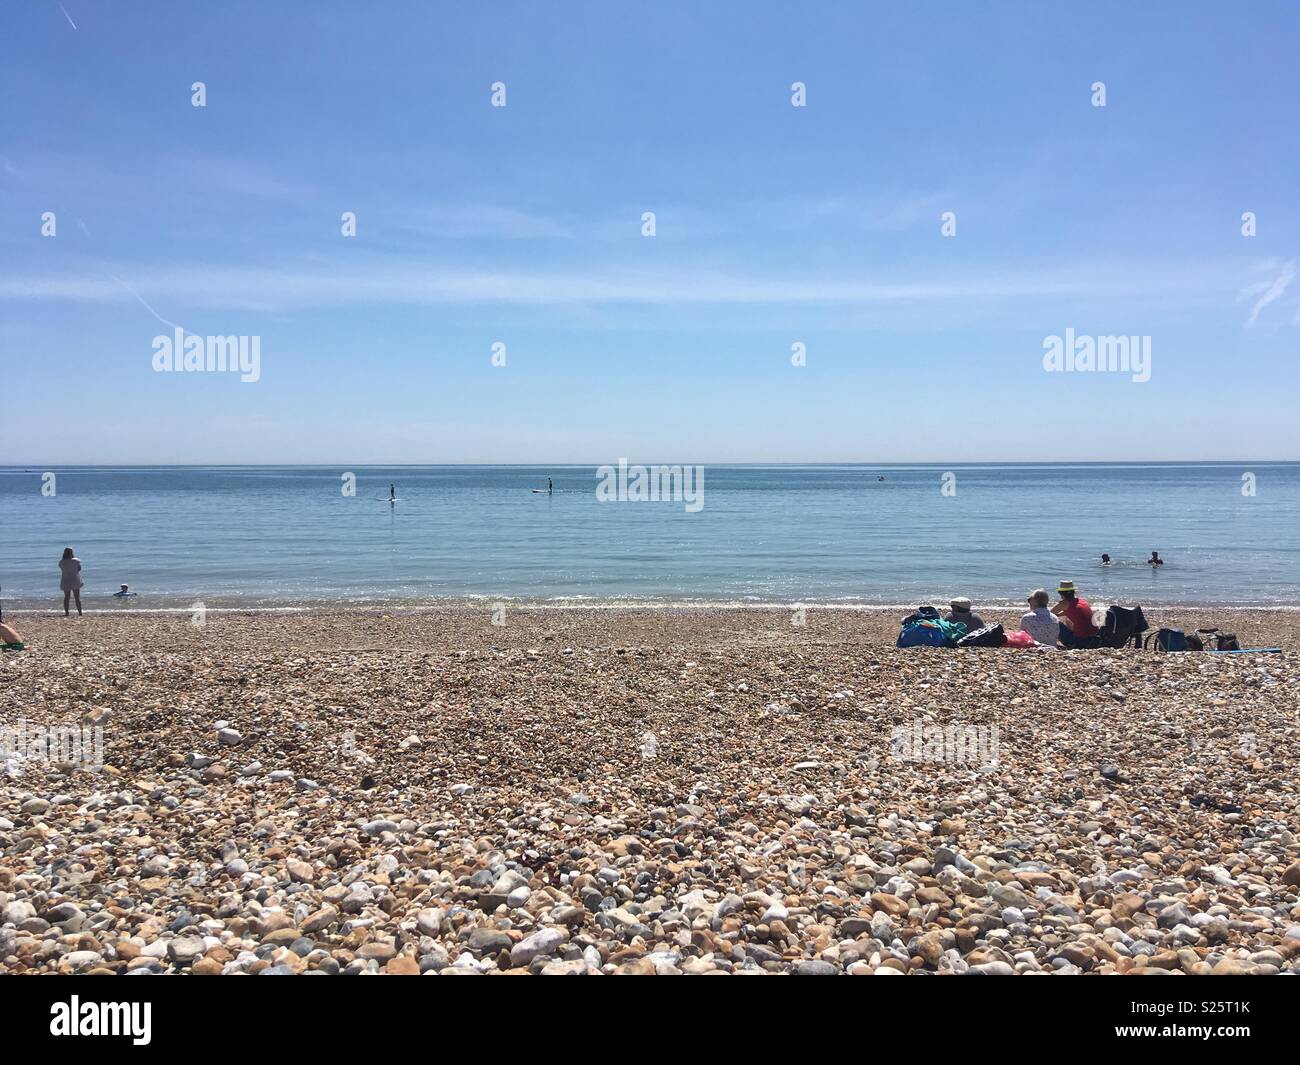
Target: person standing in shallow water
{"type": "Point", "coordinates": [70, 579]}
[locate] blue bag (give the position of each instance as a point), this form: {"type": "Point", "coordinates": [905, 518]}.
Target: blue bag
{"type": "Point", "coordinates": [931, 632]}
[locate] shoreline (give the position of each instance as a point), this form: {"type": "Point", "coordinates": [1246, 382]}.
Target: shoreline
{"type": "Point", "coordinates": [487, 603]}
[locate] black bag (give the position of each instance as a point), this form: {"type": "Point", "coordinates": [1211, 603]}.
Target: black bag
{"type": "Point", "coordinates": [1123, 625]}
{"type": "Point", "coordinates": [988, 636]}
{"type": "Point", "coordinates": [1169, 640]}
{"type": "Point", "coordinates": [1222, 641]}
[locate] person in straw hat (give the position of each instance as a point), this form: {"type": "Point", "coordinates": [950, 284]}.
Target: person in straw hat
{"type": "Point", "coordinates": [1077, 629]}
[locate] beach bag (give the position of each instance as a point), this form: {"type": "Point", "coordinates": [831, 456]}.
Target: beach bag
{"type": "Point", "coordinates": [921, 613]}
{"type": "Point", "coordinates": [1168, 640]}
{"type": "Point", "coordinates": [1123, 625]}
{"type": "Point", "coordinates": [1020, 638]}
{"type": "Point", "coordinates": [988, 636]}
{"type": "Point", "coordinates": [1221, 641]}
{"type": "Point", "coordinates": [924, 633]}
{"type": "Point", "coordinates": [955, 630]}
{"type": "Point", "coordinates": [931, 632]}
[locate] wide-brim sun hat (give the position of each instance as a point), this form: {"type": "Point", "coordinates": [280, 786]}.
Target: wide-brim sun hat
{"type": "Point", "coordinates": [1065, 586]}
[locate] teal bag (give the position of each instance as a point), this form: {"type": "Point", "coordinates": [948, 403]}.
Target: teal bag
{"type": "Point", "coordinates": [931, 632]}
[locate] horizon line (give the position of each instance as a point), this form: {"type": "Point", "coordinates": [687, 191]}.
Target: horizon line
{"type": "Point", "coordinates": [31, 467]}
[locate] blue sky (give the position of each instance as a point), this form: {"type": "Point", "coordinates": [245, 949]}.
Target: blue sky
{"type": "Point", "coordinates": [522, 224]}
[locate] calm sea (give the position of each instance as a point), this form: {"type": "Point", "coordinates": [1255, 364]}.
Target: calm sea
{"type": "Point", "coordinates": [282, 536]}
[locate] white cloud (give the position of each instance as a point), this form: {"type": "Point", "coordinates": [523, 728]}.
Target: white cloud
{"type": "Point", "coordinates": [378, 281]}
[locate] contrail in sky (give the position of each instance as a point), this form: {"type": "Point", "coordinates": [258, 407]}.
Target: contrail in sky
{"type": "Point", "coordinates": [145, 305]}
{"type": "Point", "coordinates": [67, 16]}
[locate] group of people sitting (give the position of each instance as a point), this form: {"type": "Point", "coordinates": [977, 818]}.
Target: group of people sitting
{"type": "Point", "coordinates": [1068, 624]}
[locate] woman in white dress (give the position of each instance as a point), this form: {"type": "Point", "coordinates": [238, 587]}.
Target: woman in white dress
{"type": "Point", "coordinates": [70, 579]}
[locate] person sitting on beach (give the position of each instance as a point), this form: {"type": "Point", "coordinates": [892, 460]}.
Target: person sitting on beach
{"type": "Point", "coordinates": [1155, 559]}
{"type": "Point", "coordinates": [9, 638]}
{"type": "Point", "coordinates": [124, 593]}
{"type": "Point", "coordinates": [70, 579]}
{"type": "Point", "coordinates": [1105, 561]}
{"type": "Point", "coordinates": [1040, 623]}
{"type": "Point", "coordinates": [1075, 614]}
{"type": "Point", "coordinates": [961, 612]}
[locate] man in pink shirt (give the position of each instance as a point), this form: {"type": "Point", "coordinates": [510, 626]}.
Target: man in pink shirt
{"type": "Point", "coordinates": [1077, 629]}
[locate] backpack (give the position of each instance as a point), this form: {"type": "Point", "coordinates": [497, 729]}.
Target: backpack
{"type": "Point", "coordinates": [1168, 640]}
{"type": "Point", "coordinates": [988, 636]}
{"type": "Point", "coordinates": [1123, 625]}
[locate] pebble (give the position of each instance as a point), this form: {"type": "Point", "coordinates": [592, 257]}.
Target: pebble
{"type": "Point", "coordinates": [540, 944]}
{"type": "Point", "coordinates": [184, 949]}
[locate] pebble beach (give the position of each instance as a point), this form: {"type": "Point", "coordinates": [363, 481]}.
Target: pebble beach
{"type": "Point", "coordinates": [655, 792]}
